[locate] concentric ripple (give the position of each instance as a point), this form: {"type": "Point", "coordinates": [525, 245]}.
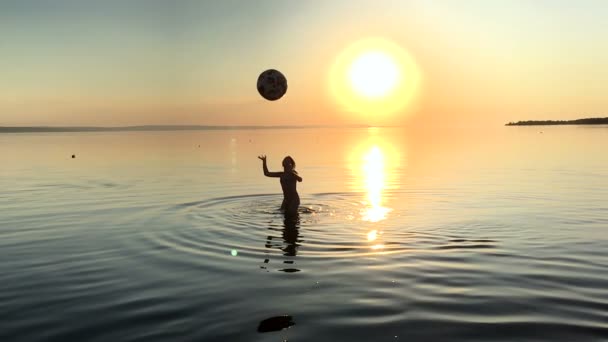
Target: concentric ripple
{"type": "Point", "coordinates": [458, 273]}
{"type": "Point", "coordinates": [330, 227]}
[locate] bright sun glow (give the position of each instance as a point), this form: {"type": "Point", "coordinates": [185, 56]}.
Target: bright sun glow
{"type": "Point", "coordinates": [375, 78]}
{"type": "Point", "coordinates": [374, 74]}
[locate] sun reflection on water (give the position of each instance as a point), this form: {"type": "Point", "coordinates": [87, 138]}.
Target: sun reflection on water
{"type": "Point", "coordinates": [374, 179]}
{"type": "Point", "coordinates": [374, 162]}
{"type": "Point", "coordinates": [371, 237]}
{"type": "Point", "coordinates": [377, 246]}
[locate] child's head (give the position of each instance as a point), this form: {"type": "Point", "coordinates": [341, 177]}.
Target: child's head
{"type": "Point", "coordinates": [289, 163]}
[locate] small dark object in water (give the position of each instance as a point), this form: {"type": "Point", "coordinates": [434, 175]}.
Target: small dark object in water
{"type": "Point", "coordinates": [275, 323]}
{"type": "Point", "coordinates": [73, 156]}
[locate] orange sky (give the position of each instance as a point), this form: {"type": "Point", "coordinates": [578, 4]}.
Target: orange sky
{"type": "Point", "coordinates": [197, 62]}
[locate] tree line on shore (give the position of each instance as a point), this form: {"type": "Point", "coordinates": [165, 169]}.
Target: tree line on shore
{"type": "Point", "coordinates": [586, 121]}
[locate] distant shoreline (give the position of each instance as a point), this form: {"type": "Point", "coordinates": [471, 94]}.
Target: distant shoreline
{"type": "Point", "coordinates": [587, 121]}
{"type": "Point", "coordinates": [152, 128]}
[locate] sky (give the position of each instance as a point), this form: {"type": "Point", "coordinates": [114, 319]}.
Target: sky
{"type": "Point", "coordinates": [116, 63]}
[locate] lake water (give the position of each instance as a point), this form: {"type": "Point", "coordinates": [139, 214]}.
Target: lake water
{"type": "Point", "coordinates": [402, 236]}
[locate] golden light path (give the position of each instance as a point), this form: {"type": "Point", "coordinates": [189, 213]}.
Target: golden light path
{"type": "Point", "coordinates": [373, 170]}
{"type": "Point", "coordinates": [373, 163]}
{"type": "Point", "coordinates": [375, 76]}
{"type": "Point", "coordinates": [374, 177]}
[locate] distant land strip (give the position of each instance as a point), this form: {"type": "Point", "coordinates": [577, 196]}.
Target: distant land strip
{"type": "Point", "coordinates": [587, 121]}
{"type": "Point", "coordinates": [32, 129]}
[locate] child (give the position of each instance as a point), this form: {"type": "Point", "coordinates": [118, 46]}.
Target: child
{"type": "Point", "coordinates": [289, 176]}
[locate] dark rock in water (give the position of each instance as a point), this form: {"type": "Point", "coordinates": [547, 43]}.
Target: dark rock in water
{"type": "Point", "coordinates": [289, 270]}
{"type": "Point", "coordinates": [275, 323]}
{"type": "Point", "coordinates": [73, 156]}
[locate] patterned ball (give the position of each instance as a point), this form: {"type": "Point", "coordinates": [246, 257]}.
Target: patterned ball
{"type": "Point", "coordinates": [272, 85]}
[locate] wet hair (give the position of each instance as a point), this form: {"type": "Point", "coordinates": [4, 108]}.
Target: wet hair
{"type": "Point", "coordinates": [289, 160]}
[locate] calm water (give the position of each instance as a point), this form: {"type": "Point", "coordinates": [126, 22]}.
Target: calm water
{"type": "Point", "coordinates": [176, 236]}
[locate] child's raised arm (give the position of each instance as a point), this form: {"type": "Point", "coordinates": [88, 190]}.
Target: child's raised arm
{"type": "Point", "coordinates": [265, 168]}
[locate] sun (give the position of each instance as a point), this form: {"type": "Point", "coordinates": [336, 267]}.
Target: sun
{"type": "Point", "coordinates": [374, 74]}
{"type": "Point", "coordinates": [375, 78]}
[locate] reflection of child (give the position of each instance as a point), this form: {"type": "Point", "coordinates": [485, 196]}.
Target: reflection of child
{"type": "Point", "coordinates": [289, 178]}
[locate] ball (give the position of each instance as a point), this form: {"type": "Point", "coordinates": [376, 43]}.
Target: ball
{"type": "Point", "coordinates": [272, 85]}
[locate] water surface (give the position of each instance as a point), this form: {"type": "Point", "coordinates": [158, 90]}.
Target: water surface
{"type": "Point", "coordinates": [176, 236]}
